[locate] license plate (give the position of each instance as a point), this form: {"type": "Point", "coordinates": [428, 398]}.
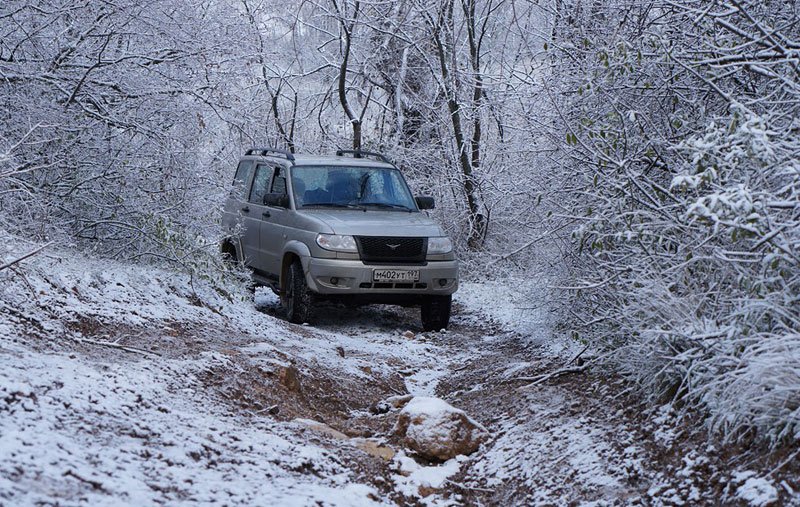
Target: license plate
{"type": "Point", "coordinates": [395, 275]}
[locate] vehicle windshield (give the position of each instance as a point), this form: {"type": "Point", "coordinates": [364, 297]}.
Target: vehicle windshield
{"type": "Point", "coordinates": [351, 187]}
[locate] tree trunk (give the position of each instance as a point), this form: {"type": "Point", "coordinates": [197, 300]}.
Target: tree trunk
{"type": "Point", "coordinates": [477, 219]}
{"type": "Point", "coordinates": [356, 134]}
{"type": "Point", "coordinates": [347, 32]}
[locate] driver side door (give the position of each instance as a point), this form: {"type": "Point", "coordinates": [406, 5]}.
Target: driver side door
{"type": "Point", "coordinates": [273, 224]}
{"type": "Point", "coordinates": [252, 216]}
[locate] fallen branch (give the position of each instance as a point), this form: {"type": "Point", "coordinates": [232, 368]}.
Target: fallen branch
{"type": "Point", "coordinates": [468, 488]}
{"type": "Point", "coordinates": [29, 254]}
{"type": "Point", "coordinates": [394, 390]}
{"type": "Point", "coordinates": [462, 368]}
{"type": "Point", "coordinates": [785, 462]}
{"type": "Point", "coordinates": [578, 356]}
{"type": "Point", "coordinates": [558, 373]}
{"type": "Point", "coordinates": [539, 379]}
{"type": "Point", "coordinates": [25, 280]}
{"type": "Point", "coordinates": [273, 410]}
{"type": "Point", "coordinates": [115, 345]}
{"type": "Point", "coordinates": [97, 485]}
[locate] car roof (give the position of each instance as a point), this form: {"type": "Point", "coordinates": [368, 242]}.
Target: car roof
{"type": "Point", "coordinates": [301, 160]}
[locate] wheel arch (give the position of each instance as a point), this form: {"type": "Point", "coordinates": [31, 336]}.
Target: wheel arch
{"type": "Point", "coordinates": [295, 250]}
{"type": "Point", "coordinates": [231, 245]}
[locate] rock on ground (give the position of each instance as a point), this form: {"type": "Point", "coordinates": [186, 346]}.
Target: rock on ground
{"type": "Point", "coordinates": [438, 431]}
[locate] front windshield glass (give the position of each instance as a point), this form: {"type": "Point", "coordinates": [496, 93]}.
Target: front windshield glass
{"type": "Point", "coordinates": [351, 187]}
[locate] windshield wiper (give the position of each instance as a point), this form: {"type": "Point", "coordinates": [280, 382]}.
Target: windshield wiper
{"type": "Point", "coordinates": [332, 205]}
{"type": "Point", "coordinates": [386, 205]}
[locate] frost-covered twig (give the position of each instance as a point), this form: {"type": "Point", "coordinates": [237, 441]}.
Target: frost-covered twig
{"type": "Point", "coordinates": [22, 258]}
{"type": "Point", "coordinates": [528, 244]}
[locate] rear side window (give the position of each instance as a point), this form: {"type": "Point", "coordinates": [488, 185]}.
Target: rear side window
{"type": "Point", "coordinates": [242, 177]}
{"type": "Point", "coordinates": [261, 183]}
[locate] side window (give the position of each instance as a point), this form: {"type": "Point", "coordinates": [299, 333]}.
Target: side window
{"type": "Point", "coordinates": [241, 178]}
{"type": "Point", "coordinates": [260, 184]}
{"type": "Point", "coordinates": [279, 181]}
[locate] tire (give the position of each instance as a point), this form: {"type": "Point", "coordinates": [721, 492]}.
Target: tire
{"type": "Point", "coordinates": [435, 312]}
{"type": "Point", "coordinates": [296, 298]}
{"type": "Point", "coordinates": [229, 255]}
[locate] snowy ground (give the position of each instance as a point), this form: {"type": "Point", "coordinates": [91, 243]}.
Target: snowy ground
{"type": "Point", "coordinates": [124, 385]}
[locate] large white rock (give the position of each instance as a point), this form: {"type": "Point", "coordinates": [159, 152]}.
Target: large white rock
{"type": "Point", "coordinates": [437, 430]}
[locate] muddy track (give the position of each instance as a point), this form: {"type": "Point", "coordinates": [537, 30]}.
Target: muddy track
{"type": "Point", "coordinates": [188, 394]}
{"type": "Point", "coordinates": [567, 440]}
{"type": "Point", "coordinates": [576, 438]}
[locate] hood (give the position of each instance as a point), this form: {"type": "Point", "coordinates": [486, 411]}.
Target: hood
{"type": "Point", "coordinates": [376, 223]}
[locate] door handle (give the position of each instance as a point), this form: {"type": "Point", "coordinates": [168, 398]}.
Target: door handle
{"type": "Point", "coordinates": [266, 214]}
{"type": "Point", "coordinates": [246, 209]}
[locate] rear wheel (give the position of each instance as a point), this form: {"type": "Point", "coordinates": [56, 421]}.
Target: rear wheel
{"type": "Point", "coordinates": [229, 255]}
{"type": "Point", "coordinates": [435, 312]}
{"type": "Point", "coordinates": [231, 258]}
{"type": "Point", "coordinates": [296, 298]}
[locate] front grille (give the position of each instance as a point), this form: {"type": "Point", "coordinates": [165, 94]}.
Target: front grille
{"type": "Point", "coordinates": [395, 250]}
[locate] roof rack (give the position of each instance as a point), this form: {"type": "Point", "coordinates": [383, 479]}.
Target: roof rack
{"type": "Point", "coordinates": [361, 154]}
{"type": "Point", "coordinates": [264, 151]}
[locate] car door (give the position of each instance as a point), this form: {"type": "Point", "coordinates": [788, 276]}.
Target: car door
{"type": "Point", "coordinates": [237, 200]}
{"type": "Point", "coordinates": [273, 225]}
{"type": "Point", "coordinates": [252, 215]}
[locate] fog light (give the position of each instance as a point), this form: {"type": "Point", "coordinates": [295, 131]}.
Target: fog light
{"type": "Point", "coordinates": [334, 280]}
{"type": "Point", "coordinates": [442, 282]}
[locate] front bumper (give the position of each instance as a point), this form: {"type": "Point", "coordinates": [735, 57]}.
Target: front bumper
{"type": "Point", "coordinates": [355, 277]}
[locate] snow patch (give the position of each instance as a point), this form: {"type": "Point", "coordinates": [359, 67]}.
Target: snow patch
{"type": "Point", "coordinates": [756, 491]}
{"type": "Point", "coordinates": [412, 476]}
{"type": "Point", "coordinates": [110, 434]}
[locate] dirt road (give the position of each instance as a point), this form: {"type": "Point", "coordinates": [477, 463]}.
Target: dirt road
{"type": "Point", "coordinates": [572, 439]}
{"type": "Point", "coordinates": [121, 385]}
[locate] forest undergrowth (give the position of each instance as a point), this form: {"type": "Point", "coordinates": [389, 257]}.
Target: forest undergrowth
{"type": "Point", "coordinates": [646, 154]}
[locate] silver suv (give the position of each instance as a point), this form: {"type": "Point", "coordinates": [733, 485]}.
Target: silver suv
{"type": "Point", "coordinates": [342, 227]}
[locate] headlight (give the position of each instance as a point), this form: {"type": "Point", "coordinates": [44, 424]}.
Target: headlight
{"type": "Point", "coordinates": [440, 245]}
{"type": "Point", "coordinates": [337, 243]}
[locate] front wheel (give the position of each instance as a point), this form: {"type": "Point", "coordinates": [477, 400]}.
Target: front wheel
{"type": "Point", "coordinates": [296, 298]}
{"type": "Point", "coordinates": [435, 312]}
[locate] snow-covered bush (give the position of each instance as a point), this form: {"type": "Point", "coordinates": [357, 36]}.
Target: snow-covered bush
{"type": "Point", "coordinates": [682, 128]}
{"type": "Point", "coordinates": [104, 118]}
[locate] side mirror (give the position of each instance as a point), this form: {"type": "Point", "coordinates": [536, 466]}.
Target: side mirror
{"type": "Point", "coordinates": [425, 202]}
{"type": "Point", "coordinates": [278, 200]}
